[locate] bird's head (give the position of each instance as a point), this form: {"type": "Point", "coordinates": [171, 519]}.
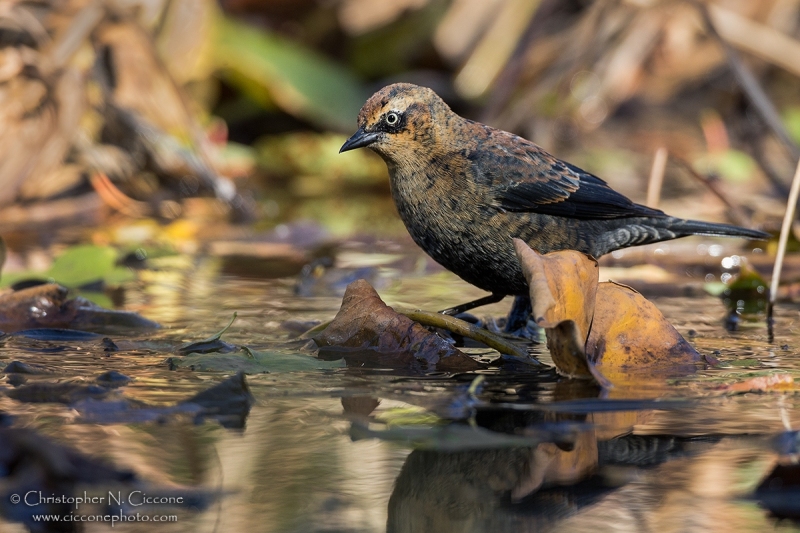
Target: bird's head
{"type": "Point", "coordinates": [400, 120]}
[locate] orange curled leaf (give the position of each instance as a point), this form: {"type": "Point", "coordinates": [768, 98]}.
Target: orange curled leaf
{"type": "Point", "coordinates": [563, 286]}
{"type": "Point", "coordinates": [595, 330]}
{"type": "Point", "coordinates": [630, 333]}
{"type": "Point", "coordinates": [116, 199]}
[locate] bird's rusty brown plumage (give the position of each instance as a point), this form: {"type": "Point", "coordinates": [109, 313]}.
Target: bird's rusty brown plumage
{"type": "Point", "coordinates": [464, 190]}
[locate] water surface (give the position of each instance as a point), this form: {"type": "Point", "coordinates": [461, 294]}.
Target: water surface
{"type": "Point", "coordinates": [369, 450]}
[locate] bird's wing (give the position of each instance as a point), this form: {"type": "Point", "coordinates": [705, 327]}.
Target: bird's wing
{"type": "Point", "coordinates": [525, 178]}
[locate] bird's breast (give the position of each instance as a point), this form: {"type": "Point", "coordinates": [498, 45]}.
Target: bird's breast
{"type": "Point", "coordinates": [449, 218]}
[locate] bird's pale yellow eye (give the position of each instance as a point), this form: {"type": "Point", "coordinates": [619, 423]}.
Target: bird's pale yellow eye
{"type": "Point", "coordinates": [392, 119]}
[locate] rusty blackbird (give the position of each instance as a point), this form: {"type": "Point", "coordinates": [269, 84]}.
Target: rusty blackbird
{"type": "Point", "coordinates": [464, 190]}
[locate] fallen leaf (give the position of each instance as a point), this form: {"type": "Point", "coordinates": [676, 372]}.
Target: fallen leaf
{"type": "Point", "coordinates": [563, 287]}
{"type": "Point", "coordinates": [214, 343]}
{"type": "Point", "coordinates": [48, 306]}
{"type": "Point", "coordinates": [367, 332]}
{"type": "Point", "coordinates": [630, 333]}
{"type": "Point", "coordinates": [79, 266]}
{"type": "Point", "coordinates": [252, 362]}
{"type": "Point", "coordinates": [599, 329]}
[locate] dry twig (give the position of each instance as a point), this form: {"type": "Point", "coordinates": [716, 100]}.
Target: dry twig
{"type": "Point", "coordinates": [656, 177]}
{"type": "Point", "coordinates": [786, 227]}
{"type": "Point", "coordinates": [755, 93]}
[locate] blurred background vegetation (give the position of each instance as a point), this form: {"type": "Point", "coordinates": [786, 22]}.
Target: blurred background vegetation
{"type": "Point", "coordinates": [191, 122]}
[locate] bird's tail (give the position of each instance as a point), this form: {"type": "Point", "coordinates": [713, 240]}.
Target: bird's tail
{"type": "Point", "coordinates": [682, 228]}
{"type": "Point", "coordinates": [650, 230]}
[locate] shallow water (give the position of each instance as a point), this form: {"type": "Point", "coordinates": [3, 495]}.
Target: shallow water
{"type": "Point", "coordinates": [354, 450]}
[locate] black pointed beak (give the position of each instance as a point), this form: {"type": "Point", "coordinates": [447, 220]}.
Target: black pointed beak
{"type": "Point", "coordinates": [359, 139]}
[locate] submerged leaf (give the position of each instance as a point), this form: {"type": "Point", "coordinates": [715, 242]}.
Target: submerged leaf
{"type": "Point", "coordinates": [252, 362]}
{"type": "Point", "coordinates": [80, 265]}
{"type": "Point", "coordinates": [57, 334]}
{"type": "Point", "coordinates": [228, 402]}
{"type": "Point", "coordinates": [66, 393]}
{"type": "Point", "coordinates": [210, 344]}
{"type": "Point", "coordinates": [18, 367]}
{"type": "Point", "coordinates": [746, 293]}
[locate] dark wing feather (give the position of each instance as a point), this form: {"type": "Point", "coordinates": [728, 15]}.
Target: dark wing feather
{"type": "Point", "coordinates": [525, 178]}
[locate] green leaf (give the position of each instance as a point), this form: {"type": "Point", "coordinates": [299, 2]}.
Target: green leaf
{"type": "Point", "coordinates": [98, 298]}
{"type": "Point", "coordinates": [715, 288]}
{"type": "Point", "coordinates": [119, 275]}
{"type": "Point", "coordinates": [83, 264]}
{"type": "Point", "coordinates": [297, 79]}
{"type": "Point", "coordinates": [78, 266]}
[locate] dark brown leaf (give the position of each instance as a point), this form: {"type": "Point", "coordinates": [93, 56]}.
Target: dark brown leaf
{"type": "Point", "coordinates": [367, 332]}
{"type": "Point", "coordinates": [48, 306]}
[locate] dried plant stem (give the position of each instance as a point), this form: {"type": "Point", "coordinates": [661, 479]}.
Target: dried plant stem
{"type": "Point", "coordinates": [465, 329]}
{"type": "Point", "coordinates": [786, 227]}
{"type": "Point", "coordinates": [68, 42]}
{"type": "Point", "coordinates": [656, 177]}
{"type": "Point", "coordinates": [453, 325]}
{"type": "Point", "coordinates": [755, 93]}
{"type": "Point", "coordinates": [116, 199]}
{"type": "Point", "coordinates": [735, 212]}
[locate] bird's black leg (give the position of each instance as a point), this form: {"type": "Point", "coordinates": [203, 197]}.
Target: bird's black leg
{"type": "Point", "coordinates": [463, 308]}
{"type": "Point", "coordinates": [518, 316]}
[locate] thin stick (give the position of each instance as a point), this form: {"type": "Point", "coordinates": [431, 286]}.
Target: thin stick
{"type": "Point", "coordinates": [656, 177]}
{"type": "Point", "coordinates": [735, 212]}
{"type": "Point", "coordinates": [453, 325]}
{"type": "Point", "coordinates": [786, 227]}
{"type": "Point", "coordinates": [116, 199]}
{"type": "Point", "coordinates": [465, 329]}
